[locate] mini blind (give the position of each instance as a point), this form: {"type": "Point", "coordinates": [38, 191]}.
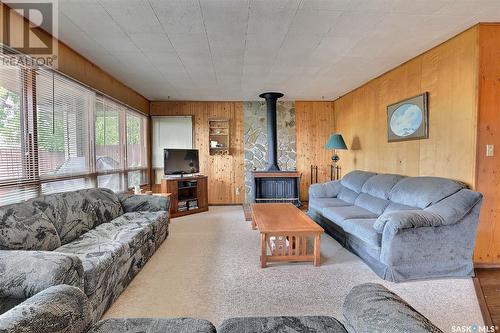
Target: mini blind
{"type": "Point", "coordinates": [58, 135]}
{"type": "Point", "coordinates": [63, 111]}
{"type": "Point", "coordinates": [12, 147]}
{"type": "Point", "coordinates": [136, 141]}
{"type": "Point", "coordinates": [17, 165]}
{"type": "Point", "coordinates": [109, 146]}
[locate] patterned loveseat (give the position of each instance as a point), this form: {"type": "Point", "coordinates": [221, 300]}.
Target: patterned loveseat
{"type": "Point", "coordinates": [403, 227]}
{"type": "Point", "coordinates": [91, 239]}
{"type": "Point", "coordinates": [368, 307]}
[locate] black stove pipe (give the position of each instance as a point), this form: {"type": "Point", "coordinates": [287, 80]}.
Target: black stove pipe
{"type": "Point", "coordinates": [272, 129]}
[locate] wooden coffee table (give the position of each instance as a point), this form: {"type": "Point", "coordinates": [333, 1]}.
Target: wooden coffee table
{"type": "Point", "coordinates": [284, 229]}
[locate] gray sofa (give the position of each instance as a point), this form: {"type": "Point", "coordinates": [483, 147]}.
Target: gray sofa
{"type": "Point", "coordinates": [91, 239]}
{"type": "Point", "coordinates": [367, 308]}
{"type": "Point", "coordinates": [404, 228]}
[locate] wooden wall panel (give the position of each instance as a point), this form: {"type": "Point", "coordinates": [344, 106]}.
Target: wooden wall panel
{"type": "Point", "coordinates": [225, 173]}
{"type": "Point", "coordinates": [487, 249]}
{"type": "Point", "coordinates": [79, 68]}
{"type": "Point", "coordinates": [314, 124]}
{"type": "Point", "coordinates": [449, 73]}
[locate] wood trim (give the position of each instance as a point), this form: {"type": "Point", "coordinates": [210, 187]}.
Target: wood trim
{"type": "Point", "coordinates": [481, 265]}
{"type": "Point", "coordinates": [485, 312]}
{"type": "Point", "coordinates": [79, 68]}
{"type": "Point", "coordinates": [487, 249]}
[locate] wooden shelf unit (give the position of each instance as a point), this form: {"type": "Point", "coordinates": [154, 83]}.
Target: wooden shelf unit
{"type": "Point", "coordinates": [186, 190]}
{"type": "Point", "coordinates": [219, 131]}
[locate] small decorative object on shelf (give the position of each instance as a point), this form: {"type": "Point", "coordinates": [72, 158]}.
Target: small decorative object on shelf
{"type": "Point", "coordinates": [219, 136]}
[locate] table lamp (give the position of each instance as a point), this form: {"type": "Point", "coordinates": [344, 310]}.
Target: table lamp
{"type": "Point", "coordinates": [336, 141]}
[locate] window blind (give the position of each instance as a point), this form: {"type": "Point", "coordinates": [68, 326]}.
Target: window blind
{"type": "Point", "coordinates": [58, 135]}
{"type": "Point", "coordinates": [63, 111]}
{"type": "Point", "coordinates": [108, 135]}
{"type": "Point", "coordinates": [121, 145]}
{"type": "Point", "coordinates": [12, 83]}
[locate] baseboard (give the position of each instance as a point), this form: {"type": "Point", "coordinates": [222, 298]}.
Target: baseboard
{"type": "Point", "coordinates": [486, 265]}
{"type": "Point", "coordinates": [482, 303]}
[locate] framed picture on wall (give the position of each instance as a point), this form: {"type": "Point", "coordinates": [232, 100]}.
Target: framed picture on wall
{"type": "Point", "coordinates": [408, 119]}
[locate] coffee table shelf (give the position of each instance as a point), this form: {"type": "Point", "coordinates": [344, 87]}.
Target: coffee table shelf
{"type": "Point", "coordinates": [285, 231]}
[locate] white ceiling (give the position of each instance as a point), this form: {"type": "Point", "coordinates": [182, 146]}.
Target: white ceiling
{"type": "Point", "coordinates": [236, 49]}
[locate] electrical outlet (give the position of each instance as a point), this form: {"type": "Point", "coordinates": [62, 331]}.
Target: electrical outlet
{"type": "Point", "coordinates": [237, 191]}
{"type": "Point", "coordinates": [490, 150]}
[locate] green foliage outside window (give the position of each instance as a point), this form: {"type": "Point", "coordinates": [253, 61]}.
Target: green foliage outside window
{"type": "Point", "coordinates": [10, 121]}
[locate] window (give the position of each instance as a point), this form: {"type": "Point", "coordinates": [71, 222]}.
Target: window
{"type": "Point", "coordinates": [63, 112]}
{"type": "Point", "coordinates": [11, 140]}
{"type": "Point", "coordinates": [57, 135]}
{"type": "Point", "coordinates": [121, 146]}
{"type": "Point", "coordinates": [169, 132]}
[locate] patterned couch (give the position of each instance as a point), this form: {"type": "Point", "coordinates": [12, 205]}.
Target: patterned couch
{"type": "Point", "coordinates": [403, 227]}
{"type": "Point", "coordinates": [91, 239]}
{"type": "Point", "coordinates": [367, 308]}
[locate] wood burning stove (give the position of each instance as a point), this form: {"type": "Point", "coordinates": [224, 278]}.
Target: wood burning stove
{"type": "Point", "coordinates": [274, 185]}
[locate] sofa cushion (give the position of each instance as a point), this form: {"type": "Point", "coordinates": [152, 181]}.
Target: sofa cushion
{"type": "Point", "coordinates": [392, 207]}
{"type": "Point", "coordinates": [281, 324]}
{"type": "Point", "coordinates": [71, 213]}
{"type": "Point", "coordinates": [422, 192]}
{"type": "Point", "coordinates": [100, 257]}
{"type": "Point", "coordinates": [325, 190]}
{"type": "Point", "coordinates": [339, 214]}
{"type": "Point", "coordinates": [373, 204]}
{"type": "Point", "coordinates": [347, 195]}
{"type": "Point", "coordinates": [24, 227]}
{"type": "Point", "coordinates": [135, 235]}
{"type": "Point", "coordinates": [381, 185]}
{"type": "Point", "coordinates": [355, 180]}
{"type": "Point", "coordinates": [363, 229]}
{"type": "Point", "coordinates": [158, 221]}
{"type": "Point", "coordinates": [153, 325]}
{"type": "Point", "coordinates": [320, 203]}
{"type": "Point", "coordinates": [106, 203]}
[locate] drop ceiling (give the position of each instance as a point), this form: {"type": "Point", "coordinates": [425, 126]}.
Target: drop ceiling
{"type": "Point", "coordinates": [235, 49]}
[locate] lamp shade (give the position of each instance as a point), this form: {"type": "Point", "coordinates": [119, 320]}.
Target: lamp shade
{"type": "Point", "coordinates": [336, 141]}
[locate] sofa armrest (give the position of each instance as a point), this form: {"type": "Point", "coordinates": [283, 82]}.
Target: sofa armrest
{"type": "Point", "coordinates": [142, 203]}
{"type": "Point", "coordinates": [56, 309]}
{"type": "Point", "coordinates": [406, 219]}
{"type": "Point", "coordinates": [371, 307]}
{"type": "Point", "coordinates": [29, 272]}
{"type": "Point", "coordinates": [446, 212]}
{"type": "Point", "coordinates": [325, 190]}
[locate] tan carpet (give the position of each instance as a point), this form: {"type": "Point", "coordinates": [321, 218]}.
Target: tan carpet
{"type": "Point", "coordinates": [209, 268]}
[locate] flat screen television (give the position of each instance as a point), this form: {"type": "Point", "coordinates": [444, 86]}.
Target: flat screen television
{"type": "Point", "coordinates": [180, 161]}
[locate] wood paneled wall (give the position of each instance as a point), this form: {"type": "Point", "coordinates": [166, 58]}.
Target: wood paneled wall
{"type": "Point", "coordinates": [487, 249]}
{"type": "Point", "coordinates": [225, 173]}
{"type": "Point", "coordinates": [314, 124]}
{"type": "Point", "coordinates": [449, 73]}
{"type": "Point", "coordinates": [79, 68]}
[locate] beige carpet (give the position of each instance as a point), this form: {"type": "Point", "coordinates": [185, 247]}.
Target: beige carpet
{"type": "Point", "coordinates": [209, 268]}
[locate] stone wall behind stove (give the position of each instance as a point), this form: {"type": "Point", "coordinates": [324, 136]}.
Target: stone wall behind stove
{"type": "Point", "coordinates": [255, 139]}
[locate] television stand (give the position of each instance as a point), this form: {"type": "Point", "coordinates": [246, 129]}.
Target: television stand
{"type": "Point", "coordinates": [189, 194]}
